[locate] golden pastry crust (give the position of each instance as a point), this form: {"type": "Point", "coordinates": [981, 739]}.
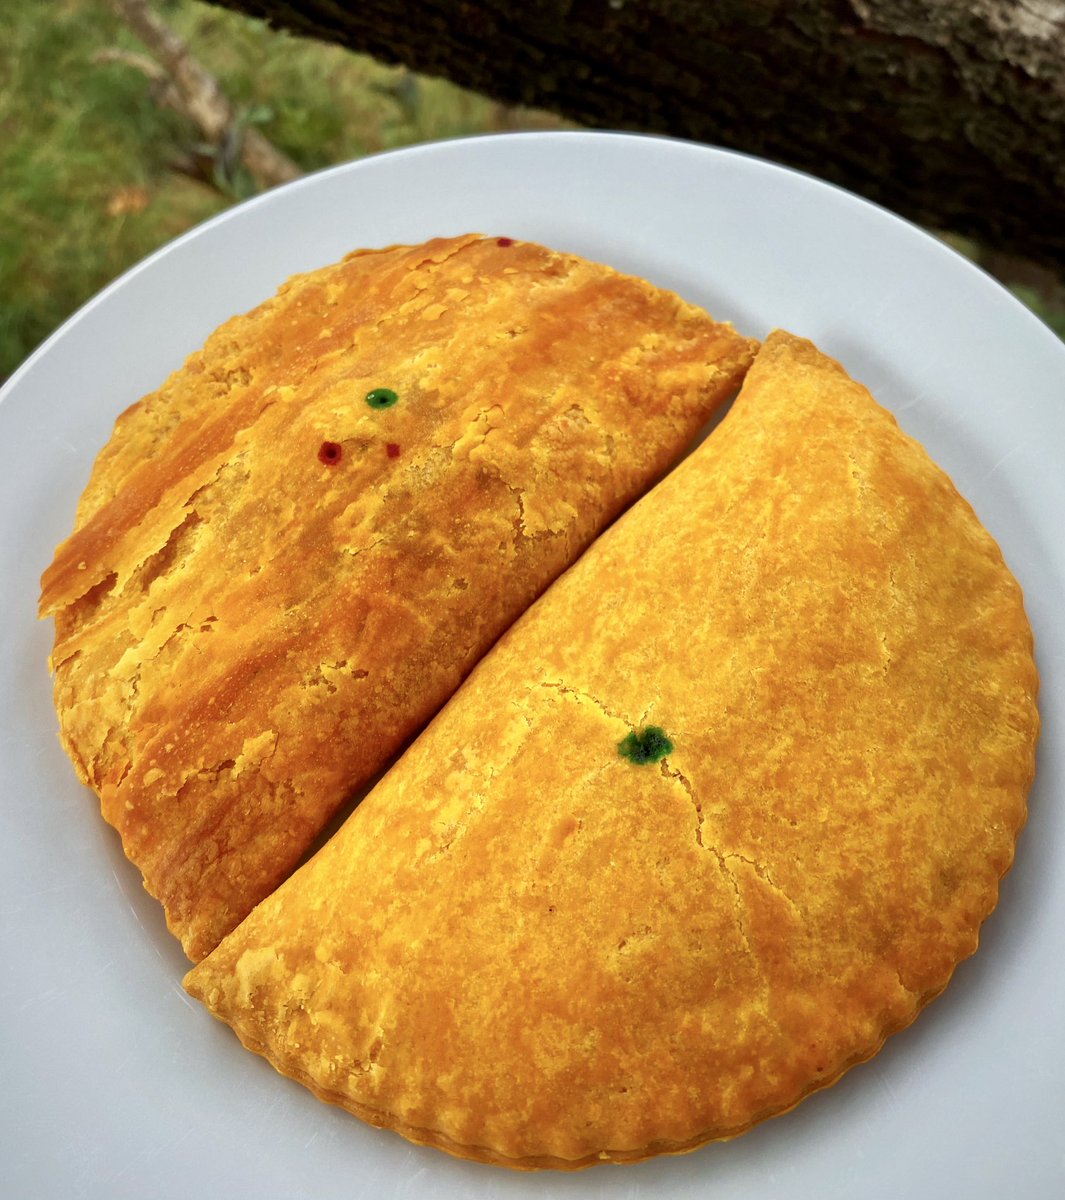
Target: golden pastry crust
{"type": "Point", "coordinates": [526, 948]}
{"type": "Point", "coordinates": [273, 584]}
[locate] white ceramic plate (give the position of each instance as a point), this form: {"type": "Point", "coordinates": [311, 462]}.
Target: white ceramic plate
{"type": "Point", "coordinates": [115, 1084]}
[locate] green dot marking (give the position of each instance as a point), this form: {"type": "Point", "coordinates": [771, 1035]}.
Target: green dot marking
{"type": "Point", "coordinates": [381, 398]}
{"type": "Point", "coordinates": [648, 746]}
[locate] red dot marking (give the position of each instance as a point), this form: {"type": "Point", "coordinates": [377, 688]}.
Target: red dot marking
{"type": "Point", "coordinates": [330, 453]}
{"type": "Point", "coordinates": [393, 449]}
{"type": "Point", "coordinates": [504, 241]}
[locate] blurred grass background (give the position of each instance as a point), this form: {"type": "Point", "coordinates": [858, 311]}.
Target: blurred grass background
{"type": "Point", "coordinates": [96, 174]}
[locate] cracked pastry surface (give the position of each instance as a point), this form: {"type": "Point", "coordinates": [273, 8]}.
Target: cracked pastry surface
{"type": "Point", "coordinates": [531, 948]}
{"type": "Point", "coordinates": [290, 555]}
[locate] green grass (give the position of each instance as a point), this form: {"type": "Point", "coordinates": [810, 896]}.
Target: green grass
{"type": "Point", "coordinates": [88, 157]}
{"type": "Point", "coordinates": [74, 133]}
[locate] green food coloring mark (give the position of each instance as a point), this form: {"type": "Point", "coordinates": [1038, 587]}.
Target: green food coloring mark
{"type": "Point", "coordinates": [381, 398]}
{"type": "Point", "coordinates": [648, 746]}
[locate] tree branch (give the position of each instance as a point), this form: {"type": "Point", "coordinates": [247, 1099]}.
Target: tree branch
{"type": "Point", "coordinates": [182, 83]}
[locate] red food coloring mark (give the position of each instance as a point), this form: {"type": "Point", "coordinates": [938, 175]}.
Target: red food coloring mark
{"type": "Point", "coordinates": [330, 453]}
{"type": "Point", "coordinates": [393, 449]}
{"type": "Point", "coordinates": [504, 241]}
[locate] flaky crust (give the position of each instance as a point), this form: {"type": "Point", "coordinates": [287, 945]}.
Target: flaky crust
{"type": "Point", "coordinates": [527, 949]}
{"type": "Point", "coordinates": [272, 585]}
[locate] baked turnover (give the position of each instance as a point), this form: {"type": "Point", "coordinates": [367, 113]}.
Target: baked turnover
{"type": "Point", "coordinates": [289, 556]}
{"type": "Point", "coordinates": [722, 811]}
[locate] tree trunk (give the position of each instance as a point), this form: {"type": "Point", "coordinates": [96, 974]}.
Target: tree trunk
{"type": "Point", "coordinates": [951, 112]}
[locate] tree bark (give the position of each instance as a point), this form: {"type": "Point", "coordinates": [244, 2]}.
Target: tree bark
{"type": "Point", "coordinates": [951, 112]}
